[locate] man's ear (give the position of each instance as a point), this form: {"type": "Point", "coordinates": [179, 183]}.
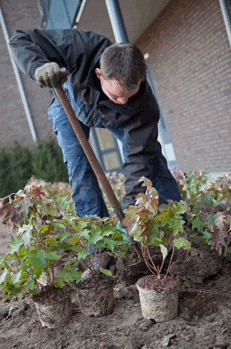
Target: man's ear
{"type": "Point", "coordinates": [98, 73]}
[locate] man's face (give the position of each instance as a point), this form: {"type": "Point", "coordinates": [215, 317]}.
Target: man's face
{"type": "Point", "coordinates": [114, 91]}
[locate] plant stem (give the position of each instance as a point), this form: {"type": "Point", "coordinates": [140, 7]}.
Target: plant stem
{"type": "Point", "coordinates": [148, 265]}
{"type": "Point", "coordinates": [173, 247]}
{"type": "Point", "coordinates": [83, 244]}
{"type": "Point", "coordinates": [53, 272]}
{"type": "Point", "coordinates": [99, 262]}
{"type": "Point", "coordinates": [161, 266]}
{"type": "Point", "coordinates": [37, 237]}
{"type": "Point", "coordinates": [153, 265]}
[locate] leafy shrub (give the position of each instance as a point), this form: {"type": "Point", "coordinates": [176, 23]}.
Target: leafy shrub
{"type": "Point", "coordinates": [35, 243]}
{"type": "Point", "coordinates": [152, 224]}
{"type": "Point", "coordinates": [37, 240]}
{"type": "Point", "coordinates": [15, 168]}
{"type": "Point", "coordinates": [47, 162]}
{"type": "Point", "coordinates": [18, 163]}
{"type": "Point", "coordinates": [200, 193]}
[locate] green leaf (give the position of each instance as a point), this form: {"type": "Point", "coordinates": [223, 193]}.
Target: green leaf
{"type": "Point", "coordinates": [111, 243]}
{"type": "Point", "coordinates": [51, 239]}
{"type": "Point", "coordinates": [163, 207]}
{"type": "Point", "coordinates": [52, 255]}
{"type": "Point", "coordinates": [201, 240]}
{"type": "Point", "coordinates": [30, 284]}
{"type": "Point", "coordinates": [198, 224]}
{"type": "Point", "coordinates": [39, 260]}
{"type": "Point", "coordinates": [81, 252]}
{"type": "Point", "coordinates": [211, 219]}
{"type": "Point", "coordinates": [25, 265]}
{"type": "Point", "coordinates": [26, 237]}
{"type": "Point", "coordinates": [58, 282]}
{"type": "Point", "coordinates": [3, 258]}
{"type": "Point", "coordinates": [105, 271]}
{"type": "Point", "coordinates": [16, 277]}
{"type": "Point", "coordinates": [68, 263]}
{"type": "Point", "coordinates": [177, 226]}
{"type": "Point", "coordinates": [44, 228]}
{"type": "Point", "coordinates": [6, 265]}
{"type": "Point", "coordinates": [157, 241]}
{"type": "Point", "coordinates": [207, 235]}
{"type": "Point", "coordinates": [74, 239]}
{"type": "Point", "coordinates": [66, 276]}
{"type": "Point", "coordinates": [97, 236]}
{"type": "Point", "coordinates": [11, 289]}
{"type": "Point", "coordinates": [76, 275]}
{"type": "Point", "coordinates": [228, 250]}
{"type": "Point", "coordinates": [181, 242]}
{"type": "Point", "coordinates": [15, 244]}
{"type": "Point", "coordinates": [64, 235]}
{"type": "Point", "coordinates": [6, 284]}
{"type": "Point", "coordinates": [164, 251]}
{"type": "Point", "coordinates": [3, 276]}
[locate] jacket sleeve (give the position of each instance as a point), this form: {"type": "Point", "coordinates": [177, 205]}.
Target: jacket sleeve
{"type": "Point", "coordinates": [70, 48]}
{"type": "Point", "coordinates": [142, 135]}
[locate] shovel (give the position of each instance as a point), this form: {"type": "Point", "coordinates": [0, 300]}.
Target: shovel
{"type": "Point", "coordinates": [96, 168]}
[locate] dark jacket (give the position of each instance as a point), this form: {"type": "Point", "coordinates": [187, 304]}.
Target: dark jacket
{"type": "Point", "coordinates": [79, 51]}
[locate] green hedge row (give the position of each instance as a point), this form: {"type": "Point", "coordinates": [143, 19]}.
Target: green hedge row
{"type": "Point", "coordinates": [18, 163]}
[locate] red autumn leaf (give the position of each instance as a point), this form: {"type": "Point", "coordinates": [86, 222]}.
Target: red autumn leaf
{"type": "Point", "coordinates": [46, 233]}
{"type": "Point", "coordinates": [36, 191]}
{"type": "Point", "coordinates": [10, 212]}
{"type": "Point", "coordinates": [217, 240]}
{"type": "Point", "coordinates": [219, 231]}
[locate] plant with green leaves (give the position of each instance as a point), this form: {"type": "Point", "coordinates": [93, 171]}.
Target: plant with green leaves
{"type": "Point", "coordinates": [36, 243]}
{"type": "Point", "coordinates": [103, 238]}
{"type": "Point", "coordinates": [194, 190]}
{"type": "Point", "coordinates": [59, 193]}
{"type": "Point", "coordinates": [158, 225]}
{"type": "Point", "coordinates": [202, 193]}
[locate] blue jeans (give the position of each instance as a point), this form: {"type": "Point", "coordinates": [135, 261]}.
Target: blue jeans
{"type": "Point", "coordinates": [86, 193]}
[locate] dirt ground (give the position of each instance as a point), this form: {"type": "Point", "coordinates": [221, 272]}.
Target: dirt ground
{"type": "Point", "coordinates": [203, 321]}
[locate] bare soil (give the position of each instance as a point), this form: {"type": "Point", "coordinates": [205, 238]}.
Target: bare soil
{"type": "Point", "coordinates": [203, 321]}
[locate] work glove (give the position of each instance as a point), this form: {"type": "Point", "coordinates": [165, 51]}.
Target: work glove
{"type": "Point", "coordinates": [51, 75]}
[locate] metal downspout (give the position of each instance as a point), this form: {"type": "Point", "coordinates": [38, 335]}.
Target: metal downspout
{"type": "Point", "coordinates": [18, 79]}
{"type": "Point", "coordinates": [117, 22]}
{"type": "Point", "coordinates": [226, 16]}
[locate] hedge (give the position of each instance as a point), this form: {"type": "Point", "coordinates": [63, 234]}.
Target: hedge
{"type": "Point", "coordinates": [18, 163]}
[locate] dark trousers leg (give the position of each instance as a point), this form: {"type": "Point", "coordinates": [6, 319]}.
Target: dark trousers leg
{"type": "Point", "coordinates": [163, 181]}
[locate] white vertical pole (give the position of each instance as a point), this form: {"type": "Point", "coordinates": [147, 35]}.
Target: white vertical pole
{"type": "Point", "coordinates": [18, 79]}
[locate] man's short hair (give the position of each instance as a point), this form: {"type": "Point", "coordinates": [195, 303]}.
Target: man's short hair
{"type": "Point", "coordinates": [124, 63]}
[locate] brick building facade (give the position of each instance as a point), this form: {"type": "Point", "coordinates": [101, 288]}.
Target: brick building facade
{"type": "Point", "coordinates": [190, 58]}
{"type": "Point", "coordinates": [13, 121]}
{"type": "Point", "coordinates": [191, 61]}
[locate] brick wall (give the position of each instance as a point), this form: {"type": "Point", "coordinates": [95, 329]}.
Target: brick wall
{"type": "Point", "coordinates": [13, 122]}
{"type": "Point", "coordinates": [191, 62]}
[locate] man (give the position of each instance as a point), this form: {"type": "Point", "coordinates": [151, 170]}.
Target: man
{"type": "Point", "coordinates": [107, 88]}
